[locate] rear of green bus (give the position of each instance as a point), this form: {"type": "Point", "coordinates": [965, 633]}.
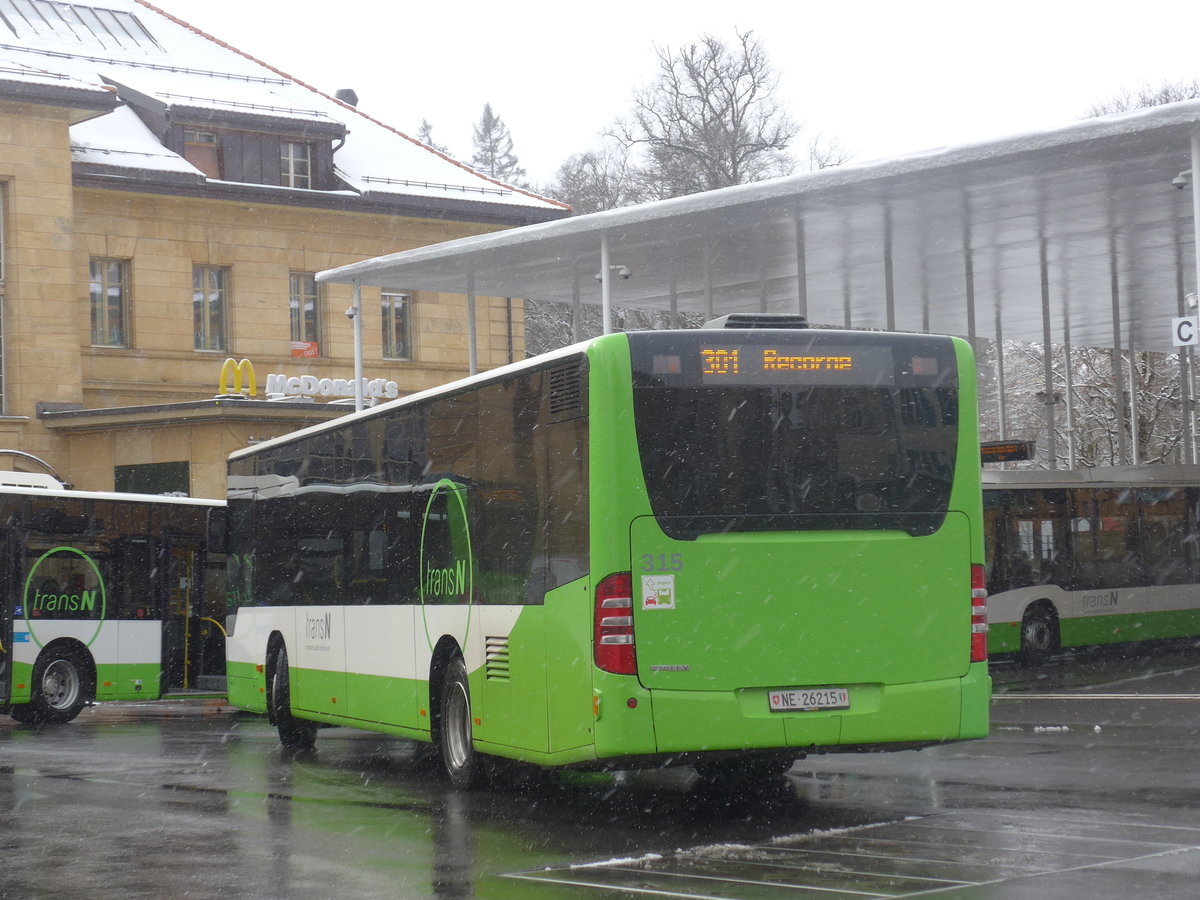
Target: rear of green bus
{"type": "Point", "coordinates": [787, 550]}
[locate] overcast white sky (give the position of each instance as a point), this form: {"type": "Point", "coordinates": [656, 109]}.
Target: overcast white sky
{"type": "Point", "coordinates": [884, 78]}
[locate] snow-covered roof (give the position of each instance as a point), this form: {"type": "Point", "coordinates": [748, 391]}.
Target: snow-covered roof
{"type": "Point", "coordinates": [953, 240]}
{"type": "Point", "coordinates": [157, 61]}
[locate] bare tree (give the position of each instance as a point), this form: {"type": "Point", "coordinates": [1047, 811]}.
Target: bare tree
{"type": "Point", "coordinates": [596, 180]}
{"type": "Point", "coordinates": [1146, 95]}
{"type": "Point", "coordinates": [709, 120]}
{"type": "Point", "coordinates": [1096, 382]}
{"type": "Point", "coordinates": [826, 152]}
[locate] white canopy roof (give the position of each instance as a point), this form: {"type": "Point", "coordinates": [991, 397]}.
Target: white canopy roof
{"type": "Point", "coordinates": [967, 240]}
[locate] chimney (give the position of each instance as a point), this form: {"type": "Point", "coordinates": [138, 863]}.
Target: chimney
{"type": "Point", "coordinates": [347, 96]}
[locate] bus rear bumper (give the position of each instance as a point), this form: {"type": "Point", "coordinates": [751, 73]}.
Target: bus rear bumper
{"type": "Point", "coordinates": [914, 714]}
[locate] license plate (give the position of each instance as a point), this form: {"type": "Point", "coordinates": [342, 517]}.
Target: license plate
{"type": "Point", "coordinates": [794, 699]}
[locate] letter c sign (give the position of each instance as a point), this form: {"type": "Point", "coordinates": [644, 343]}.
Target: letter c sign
{"type": "Point", "coordinates": [1185, 331]}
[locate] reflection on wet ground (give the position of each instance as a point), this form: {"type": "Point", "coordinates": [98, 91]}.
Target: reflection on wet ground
{"type": "Point", "coordinates": [1093, 668]}
{"type": "Point", "coordinates": [1086, 787]}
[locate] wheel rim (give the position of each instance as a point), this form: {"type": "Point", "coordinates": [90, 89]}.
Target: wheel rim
{"type": "Point", "coordinates": [458, 726]}
{"type": "Point", "coordinates": [1037, 634]}
{"type": "Point", "coordinates": [60, 685]}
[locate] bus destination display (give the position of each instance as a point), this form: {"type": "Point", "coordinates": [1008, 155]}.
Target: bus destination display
{"type": "Point", "coordinates": [816, 364]}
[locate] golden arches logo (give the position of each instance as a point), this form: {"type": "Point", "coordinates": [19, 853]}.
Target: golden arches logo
{"type": "Point", "coordinates": [237, 379]}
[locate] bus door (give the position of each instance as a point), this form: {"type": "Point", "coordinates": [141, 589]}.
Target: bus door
{"type": "Point", "coordinates": [181, 630]}
{"type": "Point", "coordinates": [8, 581]}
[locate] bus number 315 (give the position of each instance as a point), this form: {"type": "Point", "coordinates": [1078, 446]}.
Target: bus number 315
{"type": "Point", "coordinates": [661, 562]}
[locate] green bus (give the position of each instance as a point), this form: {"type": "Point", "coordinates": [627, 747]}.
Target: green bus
{"type": "Point", "coordinates": [722, 547]}
{"type": "Point", "coordinates": [105, 596]}
{"type": "Point", "coordinates": [1093, 556]}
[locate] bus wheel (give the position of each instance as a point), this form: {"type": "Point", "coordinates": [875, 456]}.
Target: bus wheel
{"type": "Point", "coordinates": [458, 754]}
{"type": "Point", "coordinates": [1039, 634]}
{"type": "Point", "coordinates": [59, 689]}
{"type": "Point", "coordinates": [294, 734]}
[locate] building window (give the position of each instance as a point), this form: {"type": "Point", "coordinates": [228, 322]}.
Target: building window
{"type": "Point", "coordinates": [397, 340]}
{"type": "Point", "coordinates": [305, 314]}
{"type": "Point", "coordinates": [295, 164]}
{"type": "Point", "coordinates": [109, 279]}
{"type": "Point", "coordinates": [153, 478]}
{"type": "Point", "coordinates": [202, 150]}
{"type": "Point", "coordinates": [210, 288]}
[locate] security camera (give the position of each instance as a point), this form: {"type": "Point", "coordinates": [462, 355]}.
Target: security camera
{"type": "Point", "coordinates": [350, 313]}
{"type": "Point", "coordinates": [1183, 179]}
{"type": "Point", "coordinates": [624, 272]}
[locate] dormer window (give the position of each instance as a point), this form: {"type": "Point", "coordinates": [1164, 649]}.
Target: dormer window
{"type": "Point", "coordinates": [295, 164]}
{"type": "Point", "coordinates": [201, 149]}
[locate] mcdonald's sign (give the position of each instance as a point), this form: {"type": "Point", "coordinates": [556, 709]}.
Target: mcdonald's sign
{"type": "Point", "coordinates": [237, 379]}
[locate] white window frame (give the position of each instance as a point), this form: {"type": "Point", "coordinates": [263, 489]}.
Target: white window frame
{"type": "Point", "coordinates": [295, 164]}
{"type": "Point", "coordinates": [389, 301]}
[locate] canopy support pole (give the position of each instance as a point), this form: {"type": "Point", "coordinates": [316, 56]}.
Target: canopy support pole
{"type": "Point", "coordinates": [1047, 359]}
{"type": "Point", "coordinates": [576, 309]}
{"type": "Point", "coordinates": [889, 288]}
{"type": "Point", "coordinates": [1189, 393]}
{"type": "Point", "coordinates": [358, 347]}
{"type": "Point", "coordinates": [1001, 394]}
{"type": "Point", "coordinates": [605, 284]}
{"type": "Point", "coordinates": [1114, 279]}
{"type": "Point", "coordinates": [1196, 202]}
{"type": "Point", "coordinates": [1187, 383]}
{"type": "Point", "coordinates": [1069, 389]}
{"type": "Point", "coordinates": [801, 267]}
{"type": "Point", "coordinates": [969, 285]}
{"type": "Point", "coordinates": [709, 308]}
{"type": "Point", "coordinates": [472, 336]}
{"type": "Point", "coordinates": [1135, 439]}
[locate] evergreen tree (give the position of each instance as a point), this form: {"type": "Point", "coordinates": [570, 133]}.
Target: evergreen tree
{"type": "Point", "coordinates": [494, 149]}
{"type": "Point", "coordinates": [425, 136]}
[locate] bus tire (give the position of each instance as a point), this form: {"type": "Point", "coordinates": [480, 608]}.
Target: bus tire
{"type": "Point", "coordinates": [59, 688]}
{"type": "Point", "coordinates": [1039, 633]}
{"type": "Point", "coordinates": [294, 734]}
{"type": "Point", "coordinates": [459, 757]}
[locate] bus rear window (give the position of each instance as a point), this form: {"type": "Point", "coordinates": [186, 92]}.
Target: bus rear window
{"type": "Point", "coordinates": [795, 430]}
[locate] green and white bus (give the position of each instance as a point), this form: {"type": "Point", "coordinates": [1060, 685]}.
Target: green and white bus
{"type": "Point", "coordinates": [105, 596]}
{"type": "Point", "coordinates": [718, 547]}
{"type": "Point", "coordinates": [1091, 556]}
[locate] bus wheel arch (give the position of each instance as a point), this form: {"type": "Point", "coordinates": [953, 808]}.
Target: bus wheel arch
{"type": "Point", "coordinates": [62, 683]}
{"type": "Point", "coordinates": [294, 734]}
{"type": "Point", "coordinates": [274, 644]}
{"type": "Point", "coordinates": [451, 716]}
{"type": "Point", "coordinates": [1040, 634]}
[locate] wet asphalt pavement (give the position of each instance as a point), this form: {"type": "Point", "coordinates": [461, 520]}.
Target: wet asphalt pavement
{"type": "Point", "coordinates": [1087, 788]}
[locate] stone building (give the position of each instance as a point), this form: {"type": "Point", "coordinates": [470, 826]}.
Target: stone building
{"type": "Point", "coordinates": [165, 201]}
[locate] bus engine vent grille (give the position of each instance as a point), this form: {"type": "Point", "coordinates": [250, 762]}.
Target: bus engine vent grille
{"type": "Point", "coordinates": [566, 392]}
{"type": "Point", "coordinates": [496, 662]}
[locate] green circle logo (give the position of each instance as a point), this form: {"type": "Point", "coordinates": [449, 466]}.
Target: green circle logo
{"type": "Point", "coordinates": [444, 562]}
{"type": "Point", "coordinates": [47, 599]}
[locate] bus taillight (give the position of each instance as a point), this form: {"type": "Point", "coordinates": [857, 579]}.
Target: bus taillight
{"type": "Point", "coordinates": [613, 632]}
{"type": "Point", "coordinates": [979, 624]}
